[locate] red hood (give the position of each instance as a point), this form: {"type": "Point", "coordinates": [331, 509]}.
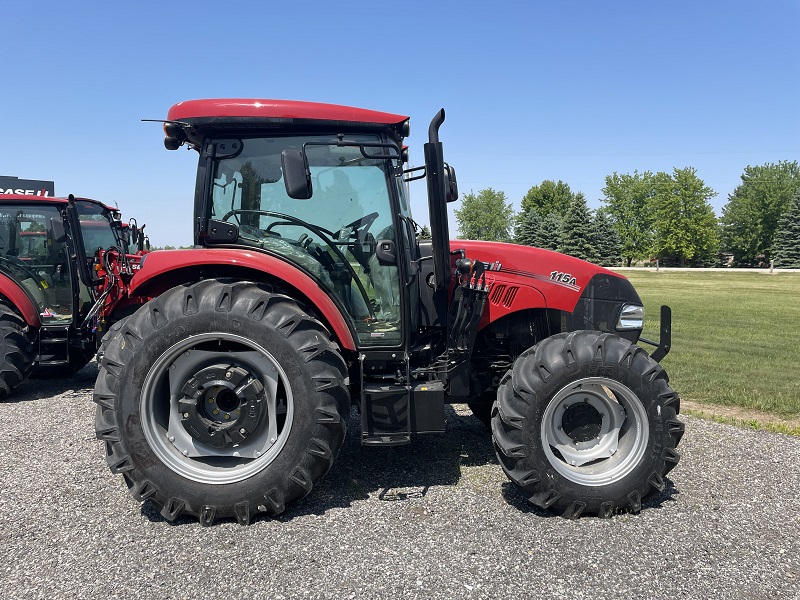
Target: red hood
{"type": "Point", "coordinates": [559, 277]}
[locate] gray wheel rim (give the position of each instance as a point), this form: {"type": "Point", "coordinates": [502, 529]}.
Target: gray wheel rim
{"type": "Point", "coordinates": [189, 457]}
{"type": "Point", "coordinates": [619, 431]}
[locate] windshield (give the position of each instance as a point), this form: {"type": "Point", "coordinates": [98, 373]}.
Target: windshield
{"type": "Point", "coordinates": [333, 235]}
{"type": "Point", "coordinates": [30, 254]}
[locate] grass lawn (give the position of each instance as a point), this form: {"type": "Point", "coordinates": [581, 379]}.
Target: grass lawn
{"type": "Point", "coordinates": [735, 336]}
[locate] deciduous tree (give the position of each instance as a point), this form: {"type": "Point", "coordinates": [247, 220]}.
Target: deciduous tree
{"type": "Point", "coordinates": [684, 224]}
{"type": "Point", "coordinates": [627, 197]}
{"type": "Point", "coordinates": [485, 216]}
{"type": "Point", "coordinates": [548, 197]}
{"type": "Point", "coordinates": [750, 217]}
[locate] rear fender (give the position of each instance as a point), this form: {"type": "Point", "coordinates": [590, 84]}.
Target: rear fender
{"type": "Point", "coordinates": [163, 270]}
{"type": "Point", "coordinates": [12, 290]}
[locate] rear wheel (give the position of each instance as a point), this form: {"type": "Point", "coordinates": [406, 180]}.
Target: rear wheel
{"type": "Point", "coordinates": [586, 423]}
{"type": "Point", "coordinates": [221, 400]}
{"type": "Point", "coordinates": [17, 351]}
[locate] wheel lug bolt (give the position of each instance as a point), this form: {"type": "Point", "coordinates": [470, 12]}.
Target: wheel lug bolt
{"type": "Point", "coordinates": [228, 375]}
{"type": "Point", "coordinates": [227, 416]}
{"type": "Point", "coordinates": [185, 415]}
{"type": "Point", "coordinates": [211, 400]}
{"type": "Point", "coordinates": [215, 411]}
{"type": "Point", "coordinates": [243, 431]}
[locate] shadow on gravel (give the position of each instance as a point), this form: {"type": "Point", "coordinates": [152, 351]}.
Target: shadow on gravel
{"type": "Point", "coordinates": [36, 388]}
{"type": "Point", "coordinates": [394, 474]}
{"type": "Point", "coordinates": [399, 473]}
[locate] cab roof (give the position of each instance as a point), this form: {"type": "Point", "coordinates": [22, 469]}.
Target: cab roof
{"type": "Point", "coordinates": [53, 200]}
{"type": "Point", "coordinates": [279, 109]}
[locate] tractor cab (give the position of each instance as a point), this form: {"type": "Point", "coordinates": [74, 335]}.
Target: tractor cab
{"type": "Point", "coordinates": [337, 234]}
{"type": "Point", "coordinates": [33, 253]}
{"type": "Point", "coordinates": [48, 247]}
{"type": "Point", "coordinates": [320, 187]}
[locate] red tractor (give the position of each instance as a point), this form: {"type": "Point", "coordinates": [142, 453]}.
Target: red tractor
{"type": "Point", "coordinates": [47, 286]}
{"type": "Point", "coordinates": [228, 392]}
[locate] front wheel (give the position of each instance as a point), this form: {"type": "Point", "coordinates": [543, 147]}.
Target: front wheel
{"type": "Point", "coordinates": [221, 399]}
{"type": "Point", "coordinates": [585, 423]}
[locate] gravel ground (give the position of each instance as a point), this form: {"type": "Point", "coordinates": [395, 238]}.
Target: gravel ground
{"type": "Point", "coordinates": [436, 519]}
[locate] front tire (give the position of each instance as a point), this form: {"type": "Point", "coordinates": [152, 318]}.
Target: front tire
{"type": "Point", "coordinates": [585, 423]}
{"type": "Point", "coordinates": [221, 399]}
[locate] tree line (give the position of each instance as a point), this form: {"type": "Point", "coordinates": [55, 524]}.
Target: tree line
{"type": "Point", "coordinates": [646, 216]}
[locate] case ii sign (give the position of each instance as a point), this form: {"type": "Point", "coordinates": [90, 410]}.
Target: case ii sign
{"type": "Point", "coordinates": [26, 187]}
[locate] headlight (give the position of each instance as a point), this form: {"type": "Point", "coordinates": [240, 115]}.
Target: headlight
{"type": "Point", "coordinates": [630, 317]}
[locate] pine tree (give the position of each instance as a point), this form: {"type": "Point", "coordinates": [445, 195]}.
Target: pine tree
{"type": "Point", "coordinates": [577, 237]}
{"type": "Point", "coordinates": [532, 230]}
{"type": "Point", "coordinates": [550, 231]}
{"type": "Point", "coordinates": [527, 230]}
{"type": "Point", "coordinates": [607, 243]}
{"type": "Point", "coordinates": [786, 250]}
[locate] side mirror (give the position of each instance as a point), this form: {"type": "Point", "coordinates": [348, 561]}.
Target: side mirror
{"type": "Point", "coordinates": [57, 227]}
{"type": "Point", "coordinates": [296, 174]}
{"type": "Point", "coordinates": [451, 185]}
{"type": "Point", "coordinates": [386, 253]}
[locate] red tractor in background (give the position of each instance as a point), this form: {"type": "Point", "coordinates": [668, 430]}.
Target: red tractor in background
{"type": "Point", "coordinates": [48, 252]}
{"type": "Point", "coordinates": [227, 392]}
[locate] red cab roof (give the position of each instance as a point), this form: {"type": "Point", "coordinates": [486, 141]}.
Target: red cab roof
{"type": "Point", "coordinates": [16, 198]}
{"type": "Point", "coordinates": [278, 109]}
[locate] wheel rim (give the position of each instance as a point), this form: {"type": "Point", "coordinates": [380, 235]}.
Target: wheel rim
{"type": "Point", "coordinates": [216, 408]}
{"type": "Point", "coordinates": [595, 431]}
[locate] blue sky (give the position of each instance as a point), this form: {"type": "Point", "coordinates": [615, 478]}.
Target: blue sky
{"type": "Point", "coordinates": [532, 90]}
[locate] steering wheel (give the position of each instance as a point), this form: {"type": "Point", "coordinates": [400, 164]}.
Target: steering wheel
{"type": "Point", "coordinates": [290, 220]}
{"type": "Point", "coordinates": [360, 226]}
{"type": "Point", "coordinates": [324, 235]}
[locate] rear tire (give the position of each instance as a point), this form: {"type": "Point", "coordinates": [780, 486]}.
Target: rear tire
{"type": "Point", "coordinates": [585, 423]}
{"type": "Point", "coordinates": [258, 401]}
{"type": "Point", "coordinates": [17, 351]}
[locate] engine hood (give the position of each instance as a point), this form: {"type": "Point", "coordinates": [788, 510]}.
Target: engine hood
{"type": "Point", "coordinates": [561, 279]}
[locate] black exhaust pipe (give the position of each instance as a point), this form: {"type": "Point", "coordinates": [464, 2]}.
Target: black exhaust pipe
{"type": "Point", "coordinates": [437, 204]}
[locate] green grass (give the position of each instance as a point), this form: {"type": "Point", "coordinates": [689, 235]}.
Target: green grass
{"type": "Point", "coordinates": [735, 336]}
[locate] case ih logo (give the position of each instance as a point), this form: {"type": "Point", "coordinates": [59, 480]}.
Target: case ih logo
{"type": "Point", "coordinates": [26, 187]}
